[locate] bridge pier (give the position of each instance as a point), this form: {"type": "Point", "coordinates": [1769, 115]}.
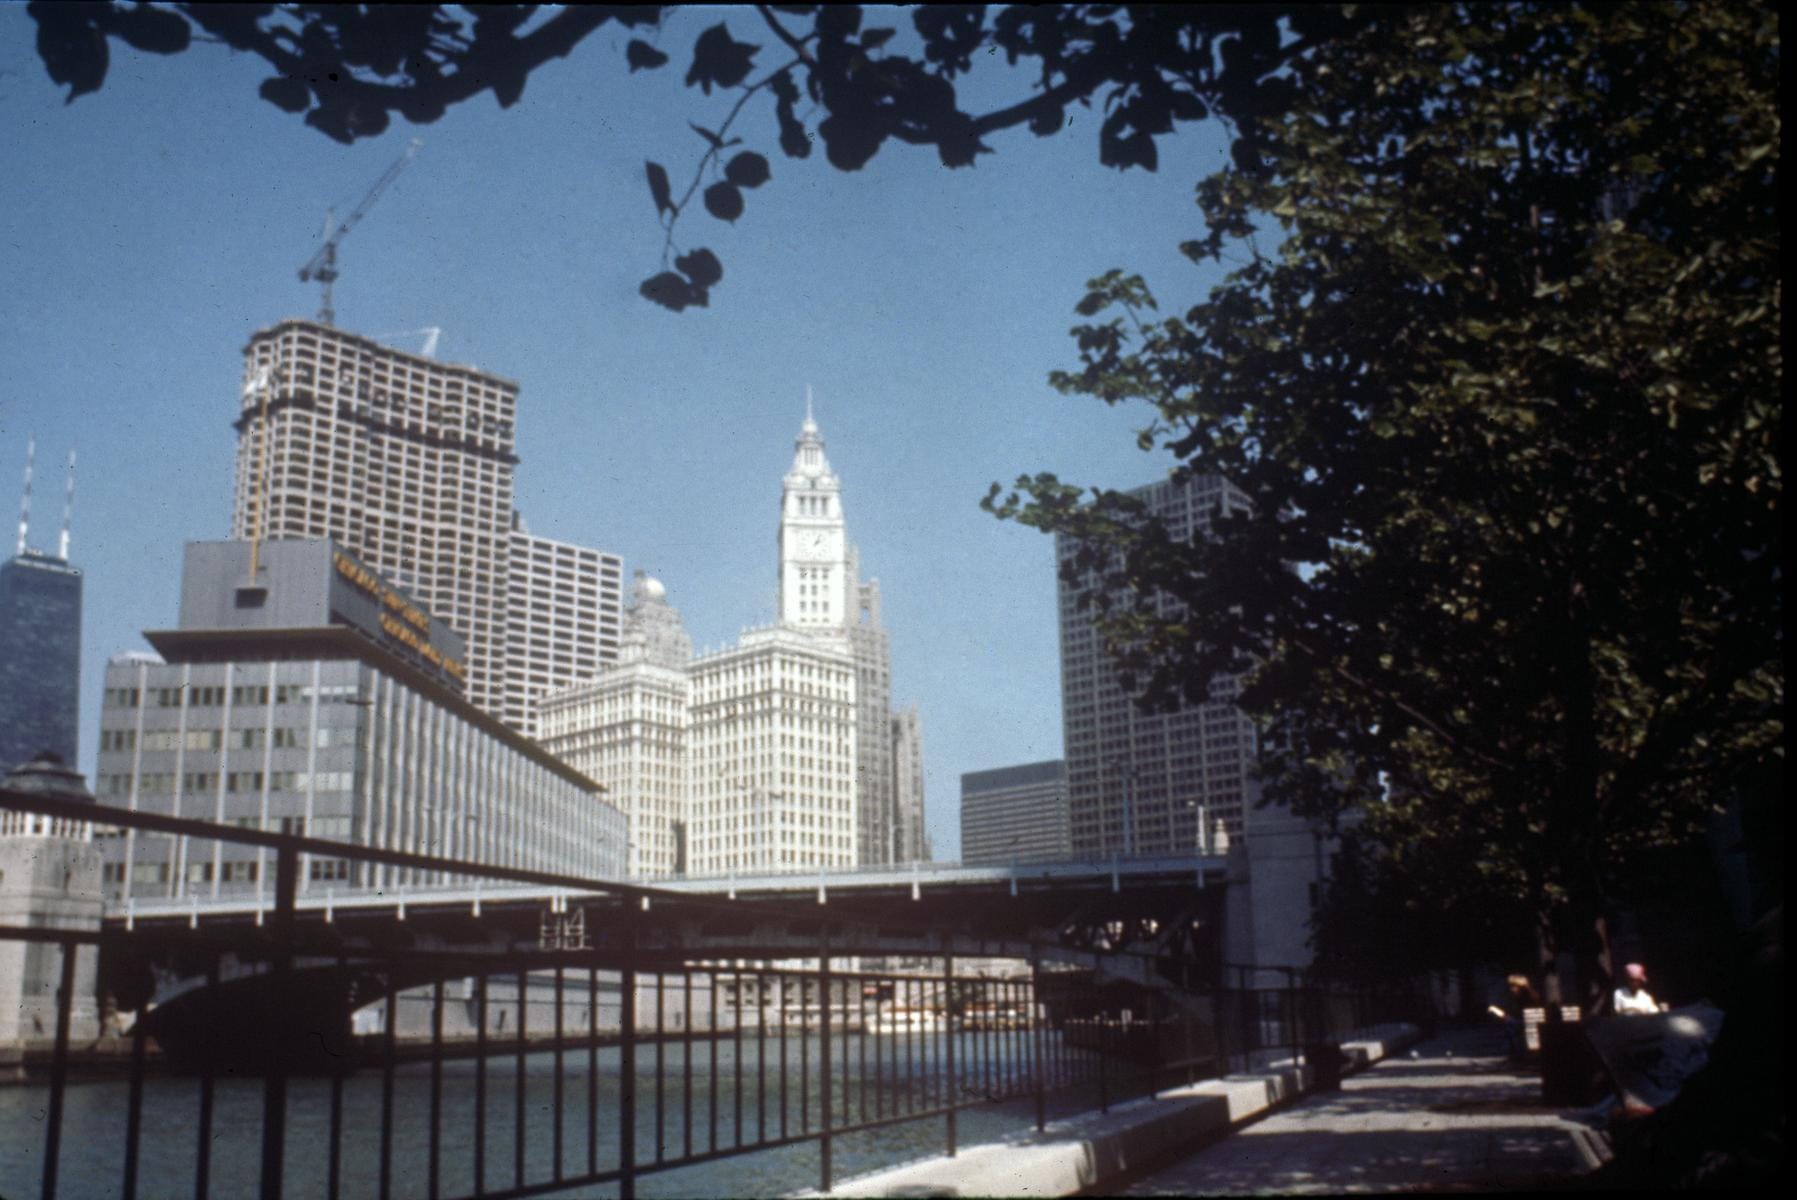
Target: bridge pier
{"type": "Point", "coordinates": [50, 883]}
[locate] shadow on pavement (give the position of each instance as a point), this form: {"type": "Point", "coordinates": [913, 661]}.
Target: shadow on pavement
{"type": "Point", "coordinates": [1486, 1158]}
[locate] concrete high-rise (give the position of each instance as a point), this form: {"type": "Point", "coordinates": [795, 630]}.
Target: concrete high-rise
{"type": "Point", "coordinates": [562, 620]}
{"type": "Point", "coordinates": [1015, 814]}
{"type": "Point", "coordinates": [1142, 782]}
{"type": "Point", "coordinates": [408, 462]}
{"type": "Point", "coordinates": [40, 649]}
{"type": "Point", "coordinates": [910, 842]}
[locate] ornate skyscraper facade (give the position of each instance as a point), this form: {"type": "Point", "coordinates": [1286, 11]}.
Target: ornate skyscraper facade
{"type": "Point", "coordinates": [627, 729]}
{"type": "Point", "coordinates": [408, 462]}
{"type": "Point", "coordinates": [790, 755]}
{"type": "Point", "coordinates": [821, 591]}
{"type": "Point", "coordinates": [772, 763]}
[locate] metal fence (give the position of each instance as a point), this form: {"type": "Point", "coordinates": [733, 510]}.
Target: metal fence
{"type": "Point", "coordinates": [568, 1065]}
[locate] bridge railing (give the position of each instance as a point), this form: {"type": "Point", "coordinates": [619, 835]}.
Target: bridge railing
{"type": "Point", "coordinates": [305, 1061]}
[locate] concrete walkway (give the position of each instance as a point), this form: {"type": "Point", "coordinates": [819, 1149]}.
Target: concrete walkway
{"type": "Point", "coordinates": [1450, 1116]}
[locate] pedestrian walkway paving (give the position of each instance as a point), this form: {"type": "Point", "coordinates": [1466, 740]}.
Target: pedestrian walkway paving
{"type": "Point", "coordinates": [1450, 1116]}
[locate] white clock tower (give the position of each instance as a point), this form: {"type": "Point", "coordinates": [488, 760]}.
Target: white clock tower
{"type": "Point", "coordinates": [815, 574]}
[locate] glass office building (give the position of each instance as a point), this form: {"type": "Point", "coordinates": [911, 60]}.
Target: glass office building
{"type": "Point", "coordinates": [40, 658]}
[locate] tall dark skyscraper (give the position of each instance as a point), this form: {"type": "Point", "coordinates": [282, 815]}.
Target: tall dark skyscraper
{"type": "Point", "coordinates": [40, 647]}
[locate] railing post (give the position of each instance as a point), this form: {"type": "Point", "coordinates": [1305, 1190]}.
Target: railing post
{"type": "Point", "coordinates": [480, 1082]}
{"type": "Point", "coordinates": [389, 1052]}
{"type": "Point", "coordinates": [1104, 1055]}
{"type": "Point", "coordinates": [1151, 1007]}
{"type": "Point", "coordinates": [59, 1068]}
{"type": "Point", "coordinates": [1038, 1043]}
{"type": "Point", "coordinates": [948, 1025]}
{"type": "Point", "coordinates": [274, 1086]}
{"type": "Point", "coordinates": [1291, 1012]}
{"type": "Point", "coordinates": [1250, 1018]}
{"type": "Point", "coordinates": [627, 1059]}
{"type": "Point", "coordinates": [134, 1108]}
{"type": "Point", "coordinates": [823, 1084]}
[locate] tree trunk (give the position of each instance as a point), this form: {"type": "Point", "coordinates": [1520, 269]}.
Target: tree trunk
{"type": "Point", "coordinates": [1605, 977]}
{"type": "Point", "coordinates": [1547, 958]}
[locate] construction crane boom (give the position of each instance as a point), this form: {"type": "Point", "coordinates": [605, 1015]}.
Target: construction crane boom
{"type": "Point", "coordinates": [322, 266]}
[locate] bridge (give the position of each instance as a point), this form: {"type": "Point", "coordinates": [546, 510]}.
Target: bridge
{"type": "Point", "coordinates": [756, 999]}
{"type": "Point", "coordinates": [1065, 909]}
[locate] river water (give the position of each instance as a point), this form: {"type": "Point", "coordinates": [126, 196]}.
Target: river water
{"type": "Point", "coordinates": [93, 1137]}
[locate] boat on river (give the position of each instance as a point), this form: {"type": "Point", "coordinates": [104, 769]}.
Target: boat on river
{"type": "Point", "coordinates": [905, 1020]}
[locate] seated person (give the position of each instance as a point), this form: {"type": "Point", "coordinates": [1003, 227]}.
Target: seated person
{"type": "Point", "coordinates": [1520, 995]}
{"type": "Point", "coordinates": [1632, 998]}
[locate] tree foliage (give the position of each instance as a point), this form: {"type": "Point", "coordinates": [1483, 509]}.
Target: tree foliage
{"type": "Point", "coordinates": [1508, 388]}
{"type": "Point", "coordinates": [348, 70]}
{"type": "Point", "coordinates": [1383, 917]}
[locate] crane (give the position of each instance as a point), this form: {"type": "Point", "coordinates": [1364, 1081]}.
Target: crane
{"type": "Point", "coordinates": [323, 265]}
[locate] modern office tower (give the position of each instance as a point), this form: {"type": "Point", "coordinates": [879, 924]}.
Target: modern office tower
{"type": "Point", "coordinates": [1015, 814]}
{"type": "Point", "coordinates": [321, 699]}
{"type": "Point", "coordinates": [911, 843]}
{"type": "Point", "coordinates": [408, 463]}
{"type": "Point", "coordinates": [562, 621]}
{"type": "Point", "coordinates": [772, 756]}
{"type": "Point", "coordinates": [40, 646]}
{"type": "Point", "coordinates": [1141, 782]}
{"type": "Point", "coordinates": [821, 590]}
{"type": "Point", "coordinates": [627, 729]}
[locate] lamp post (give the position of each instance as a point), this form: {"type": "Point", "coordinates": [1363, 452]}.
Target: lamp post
{"type": "Point", "coordinates": [1200, 837]}
{"type": "Point", "coordinates": [1128, 774]}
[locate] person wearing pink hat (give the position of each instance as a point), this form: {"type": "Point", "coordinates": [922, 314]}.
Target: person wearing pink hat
{"type": "Point", "coordinates": [1632, 997]}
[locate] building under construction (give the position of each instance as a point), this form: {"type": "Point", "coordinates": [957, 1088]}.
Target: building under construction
{"type": "Point", "coordinates": [408, 462]}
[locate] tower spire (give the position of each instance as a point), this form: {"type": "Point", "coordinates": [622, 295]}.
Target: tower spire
{"type": "Point", "coordinates": [809, 420]}
{"type": "Point", "coordinates": [25, 502]}
{"type": "Point", "coordinates": [68, 512]}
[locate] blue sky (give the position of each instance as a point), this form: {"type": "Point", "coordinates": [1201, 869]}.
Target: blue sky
{"type": "Point", "coordinates": [148, 229]}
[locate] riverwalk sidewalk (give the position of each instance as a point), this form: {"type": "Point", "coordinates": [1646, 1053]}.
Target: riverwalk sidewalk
{"type": "Point", "coordinates": [1449, 1116]}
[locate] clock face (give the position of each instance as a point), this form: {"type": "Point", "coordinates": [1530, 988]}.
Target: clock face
{"type": "Point", "coordinates": [814, 542]}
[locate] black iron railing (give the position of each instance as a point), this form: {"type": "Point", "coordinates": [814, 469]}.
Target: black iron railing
{"type": "Point", "coordinates": [597, 1059]}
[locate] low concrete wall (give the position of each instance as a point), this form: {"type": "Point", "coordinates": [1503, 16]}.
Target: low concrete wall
{"type": "Point", "coordinates": [1092, 1150]}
